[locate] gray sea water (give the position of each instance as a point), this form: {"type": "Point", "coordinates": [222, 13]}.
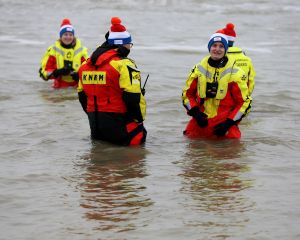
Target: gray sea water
{"type": "Point", "coordinates": [55, 183]}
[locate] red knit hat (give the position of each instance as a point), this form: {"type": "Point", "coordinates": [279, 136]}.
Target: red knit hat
{"type": "Point", "coordinates": [118, 34]}
{"type": "Point", "coordinates": [229, 32]}
{"type": "Point", "coordinates": [66, 26]}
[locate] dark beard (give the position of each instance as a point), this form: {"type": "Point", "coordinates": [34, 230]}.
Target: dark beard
{"type": "Point", "coordinates": [123, 51]}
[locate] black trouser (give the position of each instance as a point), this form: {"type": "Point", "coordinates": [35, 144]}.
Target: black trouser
{"type": "Point", "coordinates": [111, 127]}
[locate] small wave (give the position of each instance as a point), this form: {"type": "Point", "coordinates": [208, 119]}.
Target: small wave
{"type": "Point", "coordinates": [259, 50]}
{"type": "Point", "coordinates": [197, 50]}
{"type": "Point", "coordinates": [5, 98]}
{"type": "Point", "coordinates": [15, 39]}
{"type": "Point", "coordinates": [174, 48]}
{"type": "Point", "coordinates": [290, 8]}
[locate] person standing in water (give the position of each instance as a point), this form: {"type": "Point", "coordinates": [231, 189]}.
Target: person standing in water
{"type": "Point", "coordinates": [62, 60]}
{"type": "Point", "coordinates": [109, 90]}
{"type": "Point", "coordinates": [216, 94]}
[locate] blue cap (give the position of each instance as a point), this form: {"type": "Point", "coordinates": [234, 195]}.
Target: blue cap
{"type": "Point", "coordinates": [218, 37]}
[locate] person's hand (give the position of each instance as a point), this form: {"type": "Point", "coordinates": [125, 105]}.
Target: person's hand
{"type": "Point", "coordinates": [75, 76]}
{"type": "Point", "coordinates": [143, 91]}
{"type": "Point", "coordinates": [200, 117]}
{"type": "Point", "coordinates": [41, 75]}
{"type": "Point", "coordinates": [222, 128]}
{"type": "Point", "coordinates": [61, 72]}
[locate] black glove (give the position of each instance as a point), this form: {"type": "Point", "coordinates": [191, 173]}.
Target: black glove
{"type": "Point", "coordinates": [41, 75]}
{"type": "Point", "coordinates": [143, 91]}
{"type": "Point", "coordinates": [83, 100]}
{"type": "Point", "coordinates": [200, 117]}
{"type": "Point", "coordinates": [222, 128]}
{"type": "Point", "coordinates": [75, 76]}
{"type": "Point", "coordinates": [61, 72]}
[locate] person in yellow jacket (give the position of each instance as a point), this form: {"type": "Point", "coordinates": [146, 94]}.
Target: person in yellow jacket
{"type": "Point", "coordinates": [242, 61]}
{"type": "Point", "coordinates": [216, 95]}
{"type": "Point", "coordinates": [62, 60]}
{"type": "Point", "coordinates": [109, 90]}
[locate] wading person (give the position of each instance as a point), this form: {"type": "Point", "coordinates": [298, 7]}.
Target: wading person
{"type": "Point", "coordinates": [109, 90]}
{"type": "Point", "coordinates": [62, 59]}
{"type": "Point", "coordinates": [241, 60]}
{"type": "Point", "coordinates": [216, 94]}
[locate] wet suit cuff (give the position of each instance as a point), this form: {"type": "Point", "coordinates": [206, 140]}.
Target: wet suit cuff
{"type": "Point", "coordinates": [132, 101]}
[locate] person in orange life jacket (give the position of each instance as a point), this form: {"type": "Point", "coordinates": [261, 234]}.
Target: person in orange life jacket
{"type": "Point", "coordinates": [215, 94]}
{"type": "Point", "coordinates": [242, 61]}
{"type": "Point", "coordinates": [109, 90]}
{"type": "Point", "coordinates": [62, 60]}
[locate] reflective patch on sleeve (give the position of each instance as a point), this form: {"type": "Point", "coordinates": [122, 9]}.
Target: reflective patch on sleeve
{"type": "Point", "coordinates": [187, 106]}
{"type": "Point", "coordinates": [136, 77]}
{"type": "Point", "coordinates": [135, 81]}
{"type": "Point", "coordinates": [238, 116]}
{"type": "Point", "coordinates": [93, 77]}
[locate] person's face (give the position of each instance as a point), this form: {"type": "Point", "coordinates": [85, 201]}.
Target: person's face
{"type": "Point", "coordinates": [217, 51]}
{"type": "Point", "coordinates": [67, 38]}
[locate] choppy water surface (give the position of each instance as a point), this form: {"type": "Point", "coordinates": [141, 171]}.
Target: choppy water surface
{"type": "Point", "coordinates": [58, 184]}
